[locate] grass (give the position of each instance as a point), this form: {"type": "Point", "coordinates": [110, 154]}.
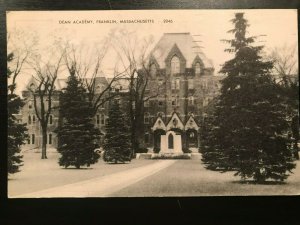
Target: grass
{"type": "Point", "coordinates": [190, 178]}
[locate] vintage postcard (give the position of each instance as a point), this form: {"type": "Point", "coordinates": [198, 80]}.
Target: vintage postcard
{"type": "Point", "coordinates": [143, 103]}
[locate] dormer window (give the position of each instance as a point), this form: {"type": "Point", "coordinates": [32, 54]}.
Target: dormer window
{"type": "Point", "coordinates": [197, 68]}
{"type": "Point", "coordinates": [98, 89]}
{"type": "Point", "coordinates": [32, 86]}
{"type": "Point", "coordinates": [175, 65]}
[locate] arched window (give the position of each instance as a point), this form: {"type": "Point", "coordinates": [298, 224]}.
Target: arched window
{"type": "Point", "coordinates": [191, 100]}
{"type": "Point", "coordinates": [152, 69]}
{"type": "Point", "coordinates": [32, 86]}
{"type": "Point", "coordinates": [146, 118]}
{"type": "Point", "coordinates": [197, 68]}
{"type": "Point", "coordinates": [29, 119]}
{"type": "Point", "coordinates": [33, 118]}
{"type": "Point", "coordinates": [160, 114]}
{"type": "Point", "coordinates": [175, 65]}
{"type": "Point", "coordinates": [191, 114]}
{"type": "Point", "coordinates": [170, 141]}
{"type": "Point", "coordinates": [99, 88]}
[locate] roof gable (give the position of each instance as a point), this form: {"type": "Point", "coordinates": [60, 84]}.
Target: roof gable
{"type": "Point", "coordinates": [175, 122]}
{"type": "Point", "coordinates": [185, 43]}
{"type": "Point", "coordinates": [159, 124]}
{"type": "Point", "coordinates": [191, 124]}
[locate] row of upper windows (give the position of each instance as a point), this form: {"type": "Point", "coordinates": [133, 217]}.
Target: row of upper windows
{"type": "Point", "coordinates": [31, 139]}
{"type": "Point", "coordinates": [32, 119]}
{"type": "Point", "coordinates": [174, 100]}
{"type": "Point", "coordinates": [100, 119]}
{"type": "Point", "coordinates": [175, 67]}
{"type": "Point", "coordinates": [175, 84]}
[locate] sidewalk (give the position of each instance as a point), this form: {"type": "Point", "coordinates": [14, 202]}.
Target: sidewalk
{"type": "Point", "coordinates": [103, 186]}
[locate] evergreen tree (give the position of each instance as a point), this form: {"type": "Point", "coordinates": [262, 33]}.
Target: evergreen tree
{"type": "Point", "coordinates": [76, 132]}
{"type": "Point", "coordinates": [117, 139]}
{"type": "Point", "coordinates": [16, 133]}
{"type": "Point", "coordinates": [247, 131]}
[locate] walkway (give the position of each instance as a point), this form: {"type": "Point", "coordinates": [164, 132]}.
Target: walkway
{"type": "Point", "coordinates": [103, 186]}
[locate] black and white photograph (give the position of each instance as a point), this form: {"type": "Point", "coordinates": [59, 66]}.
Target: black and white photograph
{"type": "Point", "coordinates": [152, 103]}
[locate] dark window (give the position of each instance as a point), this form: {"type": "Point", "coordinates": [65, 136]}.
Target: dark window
{"type": "Point", "coordinates": [102, 119]}
{"type": "Point", "coordinates": [50, 139]}
{"type": "Point", "coordinates": [50, 119]}
{"type": "Point", "coordinates": [98, 119]}
{"type": "Point", "coordinates": [32, 139]}
{"type": "Point", "coordinates": [147, 138]}
{"type": "Point", "coordinates": [160, 103]}
{"type": "Point", "coordinates": [170, 141]}
{"type": "Point", "coordinates": [33, 118]}
{"type": "Point", "coordinates": [29, 119]}
{"type": "Point", "coordinates": [146, 118]}
{"type": "Point", "coordinates": [30, 105]}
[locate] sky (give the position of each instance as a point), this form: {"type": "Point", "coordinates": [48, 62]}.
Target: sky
{"type": "Point", "coordinates": [279, 27]}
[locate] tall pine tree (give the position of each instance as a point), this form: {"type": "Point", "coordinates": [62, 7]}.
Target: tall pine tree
{"type": "Point", "coordinates": [16, 133]}
{"type": "Point", "coordinates": [117, 139]}
{"type": "Point", "coordinates": [76, 132]}
{"type": "Point", "coordinates": [248, 128]}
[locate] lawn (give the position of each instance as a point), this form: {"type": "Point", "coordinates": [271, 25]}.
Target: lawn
{"type": "Point", "coordinates": [183, 178]}
{"type": "Point", "coordinates": [38, 174]}
{"type": "Point", "coordinates": [190, 178]}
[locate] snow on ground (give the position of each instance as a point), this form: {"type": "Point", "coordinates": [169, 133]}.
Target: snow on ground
{"type": "Point", "coordinates": [183, 178]}
{"type": "Point", "coordinates": [102, 186]}
{"type": "Point", "coordinates": [39, 174]}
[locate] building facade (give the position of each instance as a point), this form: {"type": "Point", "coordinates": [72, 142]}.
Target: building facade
{"type": "Point", "coordinates": [180, 86]}
{"type": "Point", "coordinates": [187, 84]}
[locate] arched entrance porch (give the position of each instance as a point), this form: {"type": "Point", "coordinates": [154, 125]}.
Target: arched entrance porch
{"type": "Point", "coordinates": [191, 138]}
{"type": "Point", "coordinates": [157, 139]}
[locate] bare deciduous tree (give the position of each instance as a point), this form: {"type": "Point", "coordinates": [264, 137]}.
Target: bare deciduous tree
{"type": "Point", "coordinates": [134, 57]}
{"type": "Point", "coordinates": [286, 68]}
{"type": "Point", "coordinates": [87, 66]}
{"type": "Point", "coordinates": [45, 77]}
{"type": "Point", "coordinates": [22, 46]}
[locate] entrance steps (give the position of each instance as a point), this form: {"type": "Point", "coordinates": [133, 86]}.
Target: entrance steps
{"type": "Point", "coordinates": [192, 156]}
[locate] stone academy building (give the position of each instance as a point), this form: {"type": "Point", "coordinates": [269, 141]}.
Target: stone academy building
{"type": "Point", "coordinates": [186, 82]}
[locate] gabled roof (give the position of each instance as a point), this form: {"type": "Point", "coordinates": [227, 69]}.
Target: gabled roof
{"type": "Point", "coordinates": [175, 122]}
{"type": "Point", "coordinates": [159, 124]}
{"type": "Point", "coordinates": [191, 124]}
{"type": "Point", "coordinates": [185, 43]}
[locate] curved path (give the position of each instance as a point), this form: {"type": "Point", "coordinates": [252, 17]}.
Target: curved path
{"type": "Point", "coordinates": [103, 186]}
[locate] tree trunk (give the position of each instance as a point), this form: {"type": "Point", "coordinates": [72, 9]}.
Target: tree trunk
{"type": "Point", "coordinates": [44, 142]}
